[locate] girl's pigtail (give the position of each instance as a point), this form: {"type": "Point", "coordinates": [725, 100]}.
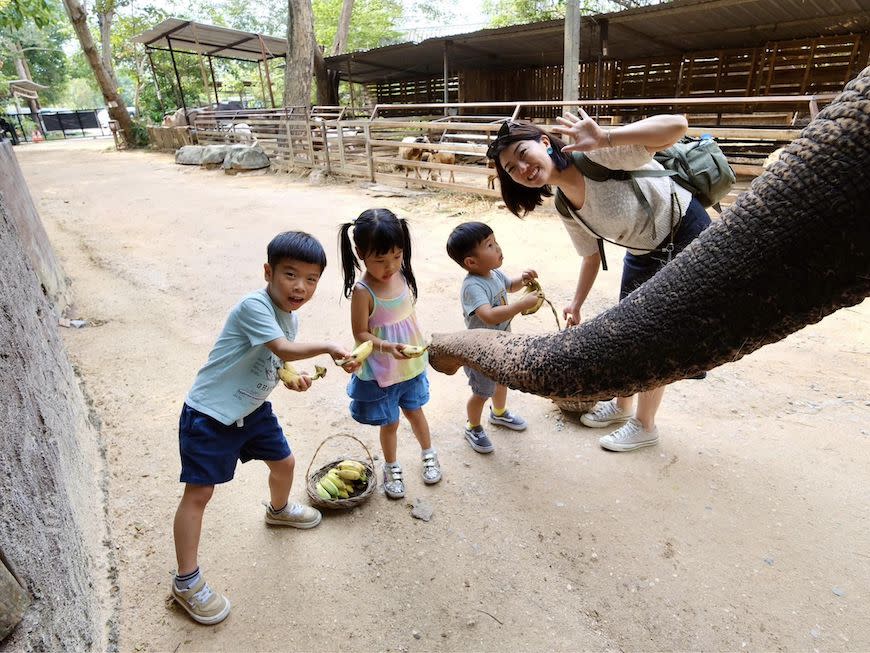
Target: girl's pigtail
{"type": "Point", "coordinates": [407, 271]}
{"type": "Point", "coordinates": [349, 264]}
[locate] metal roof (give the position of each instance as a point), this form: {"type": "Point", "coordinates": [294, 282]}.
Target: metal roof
{"type": "Point", "coordinates": [198, 38]}
{"type": "Point", "coordinates": [677, 27]}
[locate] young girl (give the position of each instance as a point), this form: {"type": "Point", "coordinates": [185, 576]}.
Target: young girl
{"type": "Point", "coordinates": [382, 311]}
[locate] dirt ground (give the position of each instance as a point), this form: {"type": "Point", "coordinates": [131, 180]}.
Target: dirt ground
{"type": "Point", "coordinates": [748, 527]}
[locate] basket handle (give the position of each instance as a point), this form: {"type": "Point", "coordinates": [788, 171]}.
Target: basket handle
{"type": "Point", "coordinates": [338, 435]}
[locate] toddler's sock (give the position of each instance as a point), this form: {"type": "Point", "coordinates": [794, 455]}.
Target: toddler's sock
{"type": "Point", "coordinates": [498, 412]}
{"type": "Point", "coordinates": [469, 425]}
{"type": "Point", "coordinates": [186, 581]}
{"type": "Point", "coordinates": [426, 451]}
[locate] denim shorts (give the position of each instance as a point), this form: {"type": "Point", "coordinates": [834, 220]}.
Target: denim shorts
{"type": "Point", "coordinates": [210, 450]}
{"type": "Point", "coordinates": [481, 385]}
{"type": "Point", "coordinates": [638, 269]}
{"type": "Point", "coordinates": [372, 404]}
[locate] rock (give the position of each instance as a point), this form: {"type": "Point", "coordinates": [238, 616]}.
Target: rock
{"type": "Point", "coordinates": [245, 157]}
{"type": "Point", "coordinates": [422, 510]}
{"type": "Point", "coordinates": [214, 155]}
{"type": "Point", "coordinates": [189, 155]}
{"type": "Point", "coordinates": [416, 634]}
{"type": "Point", "coordinates": [839, 591]}
{"type": "Point", "coordinates": [317, 177]}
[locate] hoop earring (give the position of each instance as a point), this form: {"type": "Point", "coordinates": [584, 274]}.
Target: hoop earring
{"type": "Point", "coordinates": [549, 150]}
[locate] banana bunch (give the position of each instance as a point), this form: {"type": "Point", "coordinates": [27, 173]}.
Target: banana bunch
{"type": "Point", "coordinates": [532, 285]}
{"type": "Point", "coordinates": [358, 355]}
{"type": "Point", "coordinates": [342, 481]}
{"type": "Point", "coordinates": [288, 373]}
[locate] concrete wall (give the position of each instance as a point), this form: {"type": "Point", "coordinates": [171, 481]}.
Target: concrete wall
{"type": "Point", "coordinates": [22, 213]}
{"type": "Point", "coordinates": [53, 530]}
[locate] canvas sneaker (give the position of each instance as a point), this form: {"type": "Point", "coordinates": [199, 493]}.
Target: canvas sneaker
{"type": "Point", "coordinates": [431, 468]}
{"type": "Point", "coordinates": [201, 603]}
{"type": "Point", "coordinates": [394, 486]}
{"type": "Point", "coordinates": [629, 436]}
{"type": "Point", "coordinates": [508, 420]}
{"type": "Point", "coordinates": [604, 414]}
{"type": "Point", "coordinates": [478, 440]}
{"type": "Point", "coordinates": [295, 515]}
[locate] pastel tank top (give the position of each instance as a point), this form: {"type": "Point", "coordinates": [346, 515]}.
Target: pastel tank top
{"type": "Point", "coordinates": [393, 320]}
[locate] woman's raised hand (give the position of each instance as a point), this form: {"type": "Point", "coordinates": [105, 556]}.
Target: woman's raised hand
{"type": "Point", "coordinates": [583, 130]}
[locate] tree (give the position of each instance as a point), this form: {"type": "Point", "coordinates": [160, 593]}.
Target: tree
{"type": "Point", "coordinates": [116, 106]}
{"type": "Point", "coordinates": [502, 13]}
{"type": "Point", "coordinates": [300, 53]}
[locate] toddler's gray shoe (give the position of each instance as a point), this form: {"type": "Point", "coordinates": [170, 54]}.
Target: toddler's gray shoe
{"type": "Point", "coordinates": [508, 420]}
{"type": "Point", "coordinates": [394, 486]}
{"type": "Point", "coordinates": [478, 440]}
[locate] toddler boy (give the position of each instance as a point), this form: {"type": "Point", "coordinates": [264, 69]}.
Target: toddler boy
{"type": "Point", "coordinates": [484, 304]}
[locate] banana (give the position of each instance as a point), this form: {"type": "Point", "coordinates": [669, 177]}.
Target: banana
{"type": "Point", "coordinates": [329, 486]}
{"type": "Point", "coordinates": [336, 480]}
{"type": "Point", "coordinates": [413, 351]}
{"type": "Point", "coordinates": [352, 464]}
{"type": "Point", "coordinates": [322, 492]}
{"type": "Point", "coordinates": [343, 494]}
{"type": "Point", "coordinates": [534, 286]}
{"type": "Point", "coordinates": [349, 474]}
{"type": "Point", "coordinates": [358, 355]}
{"type": "Point", "coordinates": [288, 373]}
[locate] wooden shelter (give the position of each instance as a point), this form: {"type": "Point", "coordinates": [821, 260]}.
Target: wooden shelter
{"type": "Point", "coordinates": [175, 35]}
{"type": "Point", "coordinates": [685, 48]}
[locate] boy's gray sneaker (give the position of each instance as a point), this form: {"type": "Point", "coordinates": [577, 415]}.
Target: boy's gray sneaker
{"type": "Point", "coordinates": [478, 440]}
{"type": "Point", "coordinates": [604, 414]}
{"type": "Point", "coordinates": [201, 603]}
{"type": "Point", "coordinates": [394, 486]}
{"type": "Point", "coordinates": [631, 435]}
{"type": "Point", "coordinates": [293, 514]}
{"type": "Point", "coordinates": [508, 420]}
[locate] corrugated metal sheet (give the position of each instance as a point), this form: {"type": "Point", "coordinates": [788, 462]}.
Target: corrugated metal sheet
{"type": "Point", "coordinates": [678, 27]}
{"type": "Point", "coordinates": [190, 37]}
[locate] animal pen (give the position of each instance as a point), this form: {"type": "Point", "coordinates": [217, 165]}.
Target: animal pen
{"type": "Point", "coordinates": [749, 73]}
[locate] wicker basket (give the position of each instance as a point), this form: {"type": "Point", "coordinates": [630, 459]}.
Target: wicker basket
{"type": "Point", "coordinates": [311, 479]}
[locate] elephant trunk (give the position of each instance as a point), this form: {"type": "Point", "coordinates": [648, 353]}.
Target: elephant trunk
{"type": "Point", "coordinates": [791, 250]}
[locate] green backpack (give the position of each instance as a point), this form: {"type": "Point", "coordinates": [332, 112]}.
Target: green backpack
{"type": "Point", "coordinates": [701, 168]}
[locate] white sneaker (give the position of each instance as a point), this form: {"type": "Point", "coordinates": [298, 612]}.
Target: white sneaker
{"type": "Point", "coordinates": [604, 414]}
{"type": "Point", "coordinates": [629, 436]}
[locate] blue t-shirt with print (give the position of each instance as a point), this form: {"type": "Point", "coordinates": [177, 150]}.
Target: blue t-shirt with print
{"type": "Point", "coordinates": [478, 291]}
{"type": "Point", "coordinates": [241, 371]}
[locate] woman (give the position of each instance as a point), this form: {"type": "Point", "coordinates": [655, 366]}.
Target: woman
{"type": "Point", "coordinates": [653, 217]}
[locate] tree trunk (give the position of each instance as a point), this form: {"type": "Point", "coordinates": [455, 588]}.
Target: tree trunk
{"type": "Point", "coordinates": [339, 44]}
{"type": "Point", "coordinates": [23, 70]}
{"type": "Point", "coordinates": [300, 53]}
{"type": "Point", "coordinates": [114, 103]}
{"type": "Point", "coordinates": [326, 90]}
{"type": "Point", "coordinates": [791, 250]}
{"type": "Point", "coordinates": [104, 20]}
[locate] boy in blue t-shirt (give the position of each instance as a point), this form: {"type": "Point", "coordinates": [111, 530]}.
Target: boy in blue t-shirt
{"type": "Point", "coordinates": [485, 306]}
{"type": "Point", "coordinates": [226, 418]}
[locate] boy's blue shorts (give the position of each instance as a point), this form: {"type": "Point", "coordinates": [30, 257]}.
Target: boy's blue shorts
{"type": "Point", "coordinates": [372, 404]}
{"type": "Point", "coordinates": [210, 450]}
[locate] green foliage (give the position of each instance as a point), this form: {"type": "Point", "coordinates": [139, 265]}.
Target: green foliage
{"type": "Point", "coordinates": [502, 13]}
{"type": "Point", "coordinates": [140, 132]}
{"type": "Point", "coordinates": [372, 24]}
{"type": "Point", "coordinates": [14, 14]}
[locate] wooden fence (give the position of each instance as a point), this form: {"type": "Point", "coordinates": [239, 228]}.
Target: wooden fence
{"type": "Point", "coordinates": [449, 151]}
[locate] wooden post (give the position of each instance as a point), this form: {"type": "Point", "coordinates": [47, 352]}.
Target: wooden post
{"type": "Point", "coordinates": [266, 66]}
{"type": "Point", "coordinates": [446, 74]}
{"type": "Point", "coordinates": [571, 73]}
{"type": "Point", "coordinates": [217, 101]}
{"type": "Point", "coordinates": [290, 143]}
{"type": "Point", "coordinates": [326, 148]}
{"type": "Point", "coordinates": [340, 135]}
{"type": "Point", "coordinates": [14, 600]}
{"type": "Point", "coordinates": [154, 75]}
{"type": "Point", "coordinates": [368, 132]}
{"type": "Point", "coordinates": [349, 81]}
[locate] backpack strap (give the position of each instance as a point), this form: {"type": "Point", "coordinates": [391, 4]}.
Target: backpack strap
{"type": "Point", "coordinates": [596, 172]}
